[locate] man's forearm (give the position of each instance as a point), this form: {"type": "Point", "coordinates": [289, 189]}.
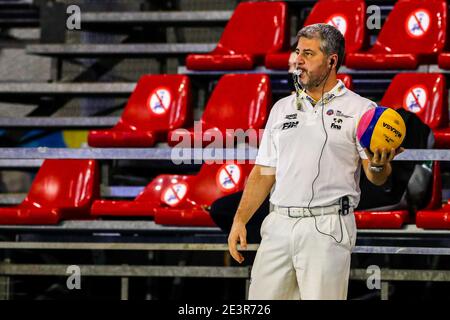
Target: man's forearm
{"type": "Point", "coordinates": [259, 183]}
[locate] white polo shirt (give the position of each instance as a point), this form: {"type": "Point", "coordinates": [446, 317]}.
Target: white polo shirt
{"type": "Point", "coordinates": [292, 143]}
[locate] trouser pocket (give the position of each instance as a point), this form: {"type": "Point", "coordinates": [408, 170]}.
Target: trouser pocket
{"type": "Point", "coordinates": [350, 227]}
{"type": "Point", "coordinates": [338, 229]}
{"type": "Point", "coordinates": [264, 224]}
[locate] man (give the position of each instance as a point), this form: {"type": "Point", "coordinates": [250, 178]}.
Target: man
{"type": "Point", "coordinates": [309, 148]}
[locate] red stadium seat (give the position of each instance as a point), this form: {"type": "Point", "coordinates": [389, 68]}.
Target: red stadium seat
{"type": "Point", "coordinates": [159, 103]}
{"type": "Point", "coordinates": [346, 79]}
{"type": "Point", "coordinates": [277, 60]}
{"type": "Point", "coordinates": [444, 60]}
{"type": "Point", "coordinates": [381, 219]}
{"type": "Point", "coordinates": [212, 182]}
{"type": "Point", "coordinates": [255, 29]}
{"type": "Point", "coordinates": [144, 204]}
{"type": "Point", "coordinates": [442, 138]}
{"type": "Point", "coordinates": [434, 219]}
{"type": "Point", "coordinates": [435, 216]}
{"type": "Point", "coordinates": [62, 189]}
{"type": "Point", "coordinates": [414, 33]}
{"type": "Point", "coordinates": [346, 15]}
{"type": "Point", "coordinates": [424, 94]}
{"type": "Point", "coordinates": [397, 218]}
{"type": "Point", "coordinates": [239, 101]}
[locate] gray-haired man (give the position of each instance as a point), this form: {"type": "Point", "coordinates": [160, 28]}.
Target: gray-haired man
{"type": "Point", "coordinates": [309, 148]}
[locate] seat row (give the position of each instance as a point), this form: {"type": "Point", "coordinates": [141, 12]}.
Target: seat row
{"type": "Point", "coordinates": [160, 106]}
{"type": "Point", "coordinates": [159, 109]}
{"type": "Point", "coordinates": [414, 33]}
{"type": "Point", "coordinates": [69, 189]}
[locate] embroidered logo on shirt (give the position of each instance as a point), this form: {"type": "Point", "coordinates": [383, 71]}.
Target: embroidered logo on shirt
{"type": "Point", "coordinates": [289, 125]}
{"type": "Point", "coordinates": [341, 114]}
{"type": "Point", "coordinates": [337, 124]}
{"type": "Point", "coordinates": [291, 116]}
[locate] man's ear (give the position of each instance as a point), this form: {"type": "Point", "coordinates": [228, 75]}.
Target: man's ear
{"type": "Point", "coordinates": [333, 61]}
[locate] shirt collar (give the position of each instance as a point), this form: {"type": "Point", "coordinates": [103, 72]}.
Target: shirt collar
{"type": "Point", "coordinates": [338, 90]}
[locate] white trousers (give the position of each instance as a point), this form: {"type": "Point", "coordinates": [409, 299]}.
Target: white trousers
{"type": "Point", "coordinates": [295, 261]}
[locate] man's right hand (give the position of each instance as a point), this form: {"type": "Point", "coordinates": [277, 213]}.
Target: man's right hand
{"type": "Point", "coordinates": [260, 181]}
{"type": "Point", "coordinates": [237, 234]}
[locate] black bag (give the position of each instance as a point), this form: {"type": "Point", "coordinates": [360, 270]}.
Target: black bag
{"type": "Point", "coordinates": [223, 210]}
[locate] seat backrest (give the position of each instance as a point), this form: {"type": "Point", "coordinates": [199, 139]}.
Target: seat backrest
{"type": "Point", "coordinates": [238, 101]}
{"type": "Point", "coordinates": [255, 28]}
{"type": "Point", "coordinates": [65, 183]}
{"type": "Point", "coordinates": [414, 26]}
{"type": "Point", "coordinates": [213, 181]}
{"type": "Point", "coordinates": [421, 93]}
{"type": "Point", "coordinates": [436, 188]}
{"type": "Point", "coordinates": [348, 16]}
{"type": "Point", "coordinates": [155, 191]}
{"type": "Point", "coordinates": [346, 79]}
{"type": "Point", "coordinates": [159, 102]}
{"type": "Point", "coordinates": [217, 180]}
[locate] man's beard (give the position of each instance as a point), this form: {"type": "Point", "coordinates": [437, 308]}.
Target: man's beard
{"type": "Point", "coordinates": [313, 80]}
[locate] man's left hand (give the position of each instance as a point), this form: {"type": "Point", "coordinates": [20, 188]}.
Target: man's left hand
{"type": "Point", "coordinates": [382, 157]}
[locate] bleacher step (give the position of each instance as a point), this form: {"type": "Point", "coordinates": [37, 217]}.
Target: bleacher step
{"type": "Point", "coordinates": [171, 17]}
{"type": "Point", "coordinates": [128, 50]}
{"type": "Point", "coordinates": [81, 88]}
{"type": "Point", "coordinates": [69, 122]}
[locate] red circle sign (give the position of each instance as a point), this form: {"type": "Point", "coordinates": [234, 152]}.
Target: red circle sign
{"type": "Point", "coordinates": [339, 22]}
{"type": "Point", "coordinates": [415, 98]}
{"type": "Point", "coordinates": [228, 177]}
{"type": "Point", "coordinates": [418, 23]}
{"type": "Point", "coordinates": [174, 194]}
{"type": "Point", "coordinates": [159, 101]}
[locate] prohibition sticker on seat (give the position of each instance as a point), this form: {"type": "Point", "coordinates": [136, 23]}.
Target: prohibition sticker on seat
{"type": "Point", "coordinates": [228, 177]}
{"type": "Point", "coordinates": [159, 101]}
{"type": "Point", "coordinates": [415, 98]}
{"type": "Point", "coordinates": [174, 194]}
{"type": "Point", "coordinates": [339, 22]}
{"type": "Point", "coordinates": [418, 23]}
